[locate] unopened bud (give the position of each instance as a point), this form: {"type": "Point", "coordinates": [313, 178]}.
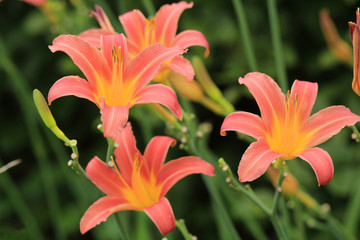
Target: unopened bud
{"type": "Point", "coordinates": [110, 164]}
{"type": "Point", "coordinates": [228, 180]}
{"type": "Point", "coordinates": [188, 89]}
{"type": "Point", "coordinates": [74, 156]}
{"type": "Point", "coordinates": [354, 136]}
{"type": "Point", "coordinates": [70, 162]}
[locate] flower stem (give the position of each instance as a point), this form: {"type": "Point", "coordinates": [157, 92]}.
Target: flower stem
{"type": "Point", "coordinates": [149, 6]}
{"type": "Point", "coordinates": [122, 229]}
{"type": "Point", "coordinates": [276, 41]}
{"type": "Point", "coordinates": [352, 213]}
{"type": "Point", "coordinates": [245, 33]}
{"type": "Point", "coordinates": [180, 224]}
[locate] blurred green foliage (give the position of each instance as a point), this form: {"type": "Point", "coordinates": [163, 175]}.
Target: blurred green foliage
{"type": "Point", "coordinates": [26, 31]}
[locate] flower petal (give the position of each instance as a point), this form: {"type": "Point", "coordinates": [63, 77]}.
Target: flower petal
{"type": "Point", "coordinates": [159, 93]}
{"type": "Point", "coordinates": [177, 169]}
{"type": "Point", "coordinates": [133, 23]}
{"type": "Point", "coordinates": [244, 122]}
{"type": "Point", "coordinates": [182, 66]}
{"type": "Point", "coordinates": [190, 38]}
{"type": "Point", "coordinates": [88, 58]}
{"type": "Point", "coordinates": [125, 152]}
{"type": "Point", "coordinates": [143, 68]}
{"type": "Point", "coordinates": [256, 160]}
{"type": "Point", "coordinates": [304, 93]}
{"type": "Point", "coordinates": [268, 96]}
{"type": "Point", "coordinates": [71, 85]}
{"type": "Point", "coordinates": [166, 21]}
{"type": "Point", "coordinates": [93, 36]}
{"type": "Point", "coordinates": [113, 118]}
{"type": "Point", "coordinates": [107, 179]}
{"type": "Point", "coordinates": [100, 210]}
{"type": "Point", "coordinates": [102, 19]}
{"type": "Point", "coordinates": [116, 42]}
{"type": "Point", "coordinates": [327, 122]}
{"type": "Point", "coordinates": [162, 215]}
{"type": "Point", "coordinates": [156, 151]}
{"type": "Point", "coordinates": [321, 163]}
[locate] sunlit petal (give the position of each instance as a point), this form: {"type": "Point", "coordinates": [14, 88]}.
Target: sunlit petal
{"type": "Point", "coordinates": [156, 151]}
{"type": "Point", "coordinates": [327, 122]}
{"type": "Point", "coordinates": [158, 93]}
{"type": "Point", "coordinates": [256, 160]}
{"type": "Point", "coordinates": [162, 215]}
{"type": "Point", "coordinates": [88, 58]}
{"type": "Point", "coordinates": [321, 163]}
{"type": "Point", "coordinates": [166, 21]}
{"type": "Point", "coordinates": [190, 38]}
{"type": "Point", "coordinates": [100, 210]}
{"type": "Point", "coordinates": [177, 169]}
{"type": "Point", "coordinates": [104, 177]}
{"type": "Point", "coordinates": [244, 122]}
{"type": "Point", "coordinates": [182, 66]}
{"type": "Point", "coordinates": [126, 151]}
{"type": "Point", "coordinates": [113, 118]}
{"type": "Point", "coordinates": [143, 68]}
{"type": "Point", "coordinates": [71, 85]}
{"type": "Point", "coordinates": [268, 96]}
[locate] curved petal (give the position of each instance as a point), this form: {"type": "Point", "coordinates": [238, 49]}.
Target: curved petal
{"type": "Point", "coordinates": [182, 66]}
{"type": "Point", "coordinates": [162, 215]}
{"type": "Point", "coordinates": [268, 96]}
{"type": "Point", "coordinates": [156, 151]}
{"type": "Point", "coordinates": [133, 23]}
{"type": "Point", "coordinates": [327, 122]}
{"type": "Point", "coordinates": [190, 38]}
{"type": "Point", "coordinates": [100, 210]}
{"type": "Point", "coordinates": [102, 19]}
{"type": "Point", "coordinates": [93, 36]}
{"type": "Point", "coordinates": [88, 58]}
{"type": "Point", "coordinates": [125, 152]}
{"type": "Point", "coordinates": [166, 21]}
{"type": "Point", "coordinates": [304, 94]}
{"type": "Point", "coordinates": [143, 68]}
{"type": "Point", "coordinates": [321, 163]}
{"type": "Point", "coordinates": [71, 85]}
{"type": "Point", "coordinates": [256, 160]}
{"type": "Point", "coordinates": [244, 122]}
{"type": "Point", "coordinates": [107, 179]}
{"type": "Point", "coordinates": [177, 169]}
{"type": "Point", "coordinates": [159, 93]}
{"type": "Point", "coordinates": [113, 118]}
{"type": "Point", "coordinates": [111, 44]}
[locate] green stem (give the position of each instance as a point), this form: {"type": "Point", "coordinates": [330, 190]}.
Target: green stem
{"type": "Point", "coordinates": [245, 34]}
{"type": "Point", "coordinates": [180, 224]}
{"type": "Point", "coordinates": [352, 213]}
{"type": "Point", "coordinates": [110, 149]}
{"type": "Point", "coordinates": [279, 228]}
{"type": "Point", "coordinates": [276, 41]}
{"type": "Point", "coordinates": [23, 93]}
{"type": "Point", "coordinates": [23, 211]}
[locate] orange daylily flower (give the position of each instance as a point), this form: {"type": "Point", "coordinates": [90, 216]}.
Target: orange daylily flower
{"type": "Point", "coordinates": [139, 182]}
{"type": "Point", "coordinates": [141, 33]}
{"type": "Point", "coordinates": [285, 129]}
{"type": "Point", "coordinates": [114, 82]}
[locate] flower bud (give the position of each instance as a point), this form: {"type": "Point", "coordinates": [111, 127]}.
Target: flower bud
{"type": "Point", "coordinates": [289, 186]}
{"type": "Point", "coordinates": [189, 90]}
{"type": "Point", "coordinates": [355, 38]}
{"type": "Point", "coordinates": [47, 117]}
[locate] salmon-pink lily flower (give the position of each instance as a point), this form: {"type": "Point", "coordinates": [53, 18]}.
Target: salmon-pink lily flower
{"type": "Point", "coordinates": [141, 33]}
{"type": "Point", "coordinates": [35, 2]}
{"type": "Point", "coordinates": [114, 83]}
{"type": "Point", "coordinates": [355, 38]}
{"type": "Point", "coordinates": [285, 129]}
{"type": "Point", "coordinates": [139, 182]}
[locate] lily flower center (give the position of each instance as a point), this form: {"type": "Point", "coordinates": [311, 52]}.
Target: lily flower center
{"type": "Point", "coordinates": [285, 136]}
{"type": "Point", "coordinates": [143, 192]}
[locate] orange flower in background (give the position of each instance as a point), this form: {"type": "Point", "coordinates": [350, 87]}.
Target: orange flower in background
{"type": "Point", "coordinates": [139, 182]}
{"type": "Point", "coordinates": [141, 33]}
{"type": "Point", "coordinates": [355, 38]}
{"type": "Point", "coordinates": [285, 129]}
{"type": "Point", "coordinates": [114, 83]}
